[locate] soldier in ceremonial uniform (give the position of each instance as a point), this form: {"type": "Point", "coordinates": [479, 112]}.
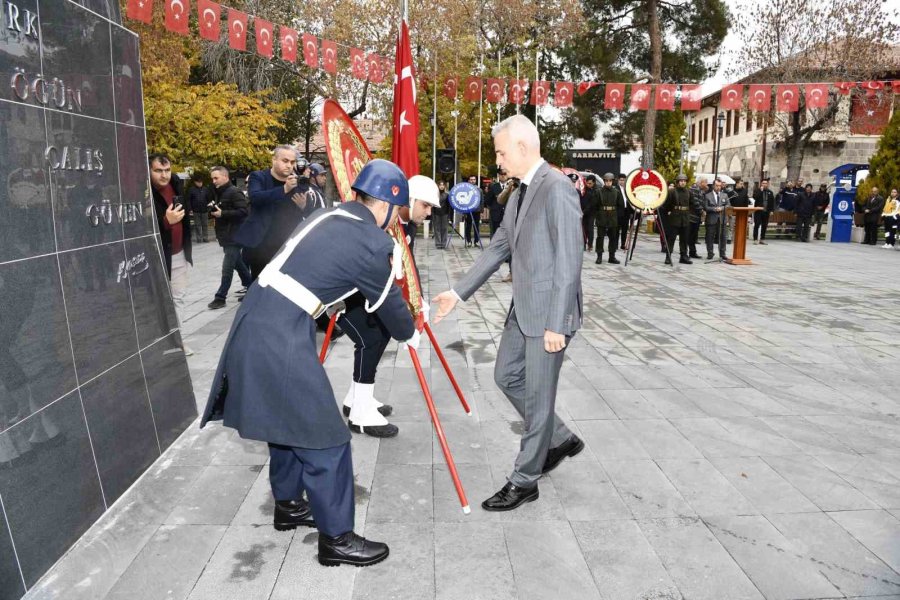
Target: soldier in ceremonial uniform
{"type": "Point", "coordinates": [270, 385]}
{"type": "Point", "coordinates": [609, 209]}
{"type": "Point", "coordinates": [677, 214]}
{"type": "Point", "coordinates": [370, 336]}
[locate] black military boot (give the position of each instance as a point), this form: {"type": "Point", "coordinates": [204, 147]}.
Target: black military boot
{"type": "Point", "coordinates": [613, 260]}
{"type": "Point", "coordinates": [685, 260]}
{"type": "Point", "coordinates": [668, 260]}
{"type": "Point", "coordinates": [599, 260]}
{"type": "Point", "coordinates": [350, 549]}
{"type": "Point", "coordinates": [290, 514]}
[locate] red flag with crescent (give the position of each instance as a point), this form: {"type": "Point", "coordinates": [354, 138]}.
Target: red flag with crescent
{"type": "Point", "coordinates": [451, 85]}
{"type": "Point", "coordinates": [264, 37]}
{"type": "Point", "coordinates": [640, 97]}
{"type": "Point", "coordinates": [817, 95]}
{"type": "Point", "coordinates": [844, 87]}
{"type": "Point", "coordinates": [517, 91]}
{"type": "Point", "coordinates": [760, 97]}
{"type": "Point", "coordinates": [310, 50]}
{"type": "Point", "coordinates": [496, 90]}
{"type": "Point", "coordinates": [237, 29]}
{"type": "Point", "coordinates": [406, 113]}
{"type": "Point", "coordinates": [896, 86]}
{"type": "Point", "coordinates": [209, 15]}
{"type": "Point", "coordinates": [665, 97]}
{"type": "Point", "coordinates": [872, 87]}
{"type": "Point", "coordinates": [691, 97]}
{"type": "Point", "coordinates": [358, 63]}
{"type": "Point", "coordinates": [563, 95]}
{"type": "Point", "coordinates": [472, 92]}
{"type": "Point", "coordinates": [539, 92]}
{"type": "Point", "coordinates": [732, 97]}
{"type": "Point", "coordinates": [140, 10]}
{"type": "Point", "coordinates": [178, 14]}
{"type": "Point", "coordinates": [329, 56]}
{"type": "Point", "coordinates": [288, 38]}
{"type": "Point", "coordinates": [376, 75]}
{"type": "Point", "coordinates": [787, 98]}
{"type": "Point", "coordinates": [584, 86]}
{"type": "Point", "coordinates": [615, 96]}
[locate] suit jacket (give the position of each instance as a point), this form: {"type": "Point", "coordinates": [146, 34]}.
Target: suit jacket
{"type": "Point", "coordinates": [710, 204]}
{"type": "Point", "coordinates": [266, 197]}
{"type": "Point", "coordinates": [546, 250]}
{"type": "Point", "coordinates": [875, 206]}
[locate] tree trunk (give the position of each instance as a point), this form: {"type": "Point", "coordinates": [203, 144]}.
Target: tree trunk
{"type": "Point", "coordinates": [795, 148]}
{"type": "Point", "coordinates": [655, 73]}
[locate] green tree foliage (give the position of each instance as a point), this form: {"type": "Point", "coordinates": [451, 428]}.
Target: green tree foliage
{"type": "Point", "coordinates": [884, 167]}
{"type": "Point", "coordinates": [667, 151]}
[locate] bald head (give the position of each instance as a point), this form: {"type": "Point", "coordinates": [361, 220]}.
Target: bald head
{"type": "Point", "coordinates": [517, 144]}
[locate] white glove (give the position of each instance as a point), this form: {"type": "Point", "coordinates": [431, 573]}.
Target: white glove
{"type": "Point", "coordinates": [412, 342]}
{"type": "Point", "coordinates": [426, 309]}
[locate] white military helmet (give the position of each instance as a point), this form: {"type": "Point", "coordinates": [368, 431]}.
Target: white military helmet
{"type": "Point", "coordinates": [425, 189]}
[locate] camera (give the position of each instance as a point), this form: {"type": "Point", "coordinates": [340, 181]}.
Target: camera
{"type": "Point", "coordinates": [301, 170]}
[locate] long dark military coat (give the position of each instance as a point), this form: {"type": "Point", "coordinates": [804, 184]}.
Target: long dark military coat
{"type": "Point", "coordinates": [269, 384]}
{"type": "Point", "coordinates": [609, 207]}
{"type": "Point", "coordinates": [677, 208]}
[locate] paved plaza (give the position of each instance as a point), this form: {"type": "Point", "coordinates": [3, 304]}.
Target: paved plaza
{"type": "Point", "coordinates": [742, 431]}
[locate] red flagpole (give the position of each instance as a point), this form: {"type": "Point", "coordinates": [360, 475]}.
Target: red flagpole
{"type": "Point", "coordinates": [327, 340]}
{"type": "Point", "coordinates": [437, 349]}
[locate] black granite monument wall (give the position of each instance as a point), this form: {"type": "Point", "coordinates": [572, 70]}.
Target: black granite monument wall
{"type": "Point", "coordinates": [93, 380]}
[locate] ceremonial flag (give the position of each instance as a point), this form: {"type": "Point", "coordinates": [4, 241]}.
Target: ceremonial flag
{"type": "Point", "coordinates": [451, 85]}
{"type": "Point", "coordinates": [517, 91]}
{"type": "Point", "coordinates": [237, 29]}
{"type": "Point", "coordinates": [288, 44]}
{"type": "Point", "coordinates": [472, 92]}
{"type": "Point", "coordinates": [869, 115]}
{"type": "Point", "coordinates": [329, 56]}
{"type": "Point", "coordinates": [640, 97]}
{"type": "Point", "coordinates": [615, 96]}
{"type": "Point", "coordinates": [358, 63]}
{"type": "Point", "coordinates": [896, 86]}
{"type": "Point", "coordinates": [844, 87]}
{"type": "Point", "coordinates": [817, 95]}
{"type": "Point", "coordinates": [562, 97]}
{"type": "Point", "coordinates": [263, 37]}
{"type": "Point", "coordinates": [177, 16]}
{"type": "Point", "coordinates": [760, 98]}
{"type": "Point", "coordinates": [871, 87]}
{"type": "Point", "coordinates": [310, 50]}
{"type": "Point", "coordinates": [140, 10]}
{"type": "Point", "coordinates": [405, 151]}
{"type": "Point", "coordinates": [376, 75]}
{"type": "Point", "coordinates": [691, 97]}
{"type": "Point", "coordinates": [539, 92]}
{"type": "Point", "coordinates": [496, 89]}
{"type": "Point", "coordinates": [665, 97]}
{"type": "Point", "coordinates": [584, 86]}
{"type": "Point", "coordinates": [209, 15]}
{"type": "Point", "coordinates": [732, 97]}
{"type": "Point", "coordinates": [787, 98]}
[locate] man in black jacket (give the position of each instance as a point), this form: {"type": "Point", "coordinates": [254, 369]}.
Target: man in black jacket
{"type": "Point", "coordinates": [174, 229]}
{"type": "Point", "coordinates": [804, 209]}
{"type": "Point", "coordinates": [440, 218]}
{"type": "Point", "coordinates": [198, 198]}
{"type": "Point", "coordinates": [491, 200]}
{"type": "Point", "coordinates": [625, 212]}
{"type": "Point", "coordinates": [821, 201]}
{"type": "Point", "coordinates": [229, 210]}
{"type": "Point", "coordinates": [872, 210]}
{"type": "Point", "coordinates": [763, 198]}
{"type": "Point", "coordinates": [589, 210]}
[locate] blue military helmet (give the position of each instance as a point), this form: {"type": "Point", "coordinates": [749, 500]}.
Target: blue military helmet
{"type": "Point", "coordinates": [316, 169]}
{"type": "Point", "coordinates": [383, 180]}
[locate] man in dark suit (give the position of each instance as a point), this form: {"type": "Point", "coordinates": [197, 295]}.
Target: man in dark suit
{"type": "Point", "coordinates": [230, 211]}
{"type": "Point", "coordinates": [763, 198]}
{"type": "Point", "coordinates": [871, 211]}
{"type": "Point", "coordinates": [540, 232]}
{"type": "Point", "coordinates": [492, 201]}
{"type": "Point", "coordinates": [625, 212]}
{"type": "Point", "coordinates": [714, 203]}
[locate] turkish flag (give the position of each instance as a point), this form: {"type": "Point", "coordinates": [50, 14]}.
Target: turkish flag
{"type": "Point", "coordinates": [329, 56]}
{"type": "Point", "coordinates": [615, 96]}
{"type": "Point", "coordinates": [288, 39]}
{"type": "Point", "coordinates": [732, 97]}
{"type": "Point", "coordinates": [584, 86]}
{"type": "Point", "coordinates": [358, 63]}
{"type": "Point", "coordinates": [869, 115]}
{"type": "Point", "coordinates": [896, 86]}
{"type": "Point", "coordinates": [140, 10]}
{"type": "Point", "coordinates": [690, 97]}
{"type": "Point", "coordinates": [539, 92]}
{"type": "Point", "coordinates": [496, 90]}
{"type": "Point", "coordinates": [376, 75]}
{"type": "Point", "coordinates": [237, 29]}
{"type": "Point", "coordinates": [517, 91]}
{"type": "Point", "coordinates": [472, 92]}
{"type": "Point", "coordinates": [208, 16]}
{"type": "Point", "coordinates": [178, 14]}
{"type": "Point", "coordinates": [563, 96]}
{"type": "Point", "coordinates": [787, 98]}
{"type": "Point", "coordinates": [665, 97]}
{"type": "Point", "coordinates": [817, 95]}
{"type": "Point", "coordinates": [451, 85]}
{"type": "Point", "coordinates": [310, 50]}
{"type": "Point", "coordinates": [640, 97]}
{"type": "Point", "coordinates": [871, 87]}
{"type": "Point", "coordinates": [760, 98]}
{"type": "Point", "coordinates": [264, 37]}
{"type": "Point", "coordinates": [844, 87]}
{"type": "Point", "coordinates": [405, 151]}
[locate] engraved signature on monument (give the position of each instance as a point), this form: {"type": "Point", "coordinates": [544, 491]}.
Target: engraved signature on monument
{"type": "Point", "coordinates": [135, 265]}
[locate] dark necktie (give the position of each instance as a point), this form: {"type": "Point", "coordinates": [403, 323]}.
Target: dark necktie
{"type": "Point", "coordinates": [522, 188]}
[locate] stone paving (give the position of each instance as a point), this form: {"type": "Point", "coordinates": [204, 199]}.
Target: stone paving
{"type": "Point", "coordinates": [742, 438]}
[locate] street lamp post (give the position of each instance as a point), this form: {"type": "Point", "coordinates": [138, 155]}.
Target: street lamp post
{"type": "Point", "coordinates": [683, 154]}
{"type": "Point", "coordinates": [721, 120]}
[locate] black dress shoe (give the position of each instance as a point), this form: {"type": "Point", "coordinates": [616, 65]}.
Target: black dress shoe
{"type": "Point", "coordinates": [668, 261]}
{"type": "Point", "coordinates": [350, 549]}
{"type": "Point", "coordinates": [290, 514]}
{"type": "Point", "coordinates": [599, 260]}
{"type": "Point", "coordinates": [384, 409]}
{"type": "Point", "coordinates": [613, 261]}
{"type": "Point", "coordinates": [510, 497]}
{"type": "Point", "coordinates": [709, 256]}
{"type": "Point", "coordinates": [695, 255]}
{"type": "Point", "coordinates": [570, 447]}
{"type": "Point", "coordinates": [379, 431]}
{"type": "Point", "coordinates": [685, 260]}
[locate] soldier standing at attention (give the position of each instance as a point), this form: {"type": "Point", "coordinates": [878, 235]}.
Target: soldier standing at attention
{"type": "Point", "coordinates": [608, 210]}
{"type": "Point", "coordinates": [677, 214]}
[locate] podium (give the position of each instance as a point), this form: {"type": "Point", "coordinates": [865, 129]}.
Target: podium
{"type": "Point", "coordinates": [739, 238]}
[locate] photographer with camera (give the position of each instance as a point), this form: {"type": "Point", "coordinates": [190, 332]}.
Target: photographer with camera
{"type": "Point", "coordinates": [174, 229]}
{"type": "Point", "coordinates": [229, 208]}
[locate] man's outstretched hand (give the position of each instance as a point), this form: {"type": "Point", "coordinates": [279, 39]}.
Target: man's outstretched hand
{"type": "Point", "coordinates": [446, 301]}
